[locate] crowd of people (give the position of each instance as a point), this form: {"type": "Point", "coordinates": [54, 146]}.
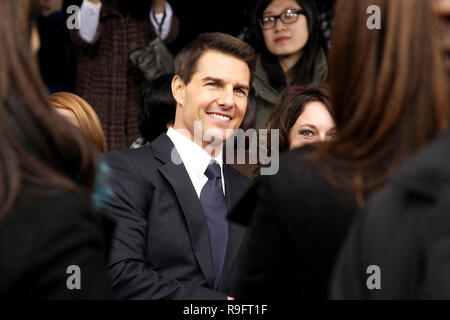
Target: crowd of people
{"type": "Point", "coordinates": [114, 152]}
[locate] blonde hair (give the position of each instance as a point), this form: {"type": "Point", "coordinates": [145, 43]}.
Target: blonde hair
{"type": "Point", "coordinates": [85, 114]}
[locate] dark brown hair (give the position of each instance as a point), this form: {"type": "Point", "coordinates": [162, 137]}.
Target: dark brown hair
{"type": "Point", "coordinates": [388, 89]}
{"type": "Point", "coordinates": [36, 147]}
{"type": "Point", "coordinates": [187, 59]}
{"type": "Point", "coordinates": [290, 106]}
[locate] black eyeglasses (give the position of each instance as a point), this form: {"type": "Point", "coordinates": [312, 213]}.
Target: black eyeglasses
{"type": "Point", "coordinates": [288, 16]}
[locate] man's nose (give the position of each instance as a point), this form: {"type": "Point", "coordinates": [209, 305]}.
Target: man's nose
{"type": "Point", "coordinates": [227, 97]}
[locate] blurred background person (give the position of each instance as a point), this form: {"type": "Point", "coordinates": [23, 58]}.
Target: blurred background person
{"type": "Point", "coordinates": [388, 89]}
{"type": "Point", "coordinates": [303, 115]}
{"type": "Point", "coordinates": [110, 30]}
{"type": "Point", "coordinates": [287, 36]}
{"type": "Point", "coordinates": [79, 113]}
{"type": "Point", "coordinates": [47, 223]}
{"type": "Point", "coordinates": [158, 108]}
{"type": "Point", "coordinates": [57, 59]}
{"type": "Point", "coordinates": [405, 228]}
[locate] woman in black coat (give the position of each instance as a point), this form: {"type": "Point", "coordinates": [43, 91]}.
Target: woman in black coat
{"type": "Point", "coordinates": [52, 243]}
{"type": "Point", "coordinates": [389, 91]}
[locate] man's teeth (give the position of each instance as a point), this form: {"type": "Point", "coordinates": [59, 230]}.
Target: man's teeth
{"type": "Point", "coordinates": [218, 116]}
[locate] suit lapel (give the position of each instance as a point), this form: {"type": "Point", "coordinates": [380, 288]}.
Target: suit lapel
{"type": "Point", "coordinates": [233, 191]}
{"type": "Point", "coordinates": [178, 178]}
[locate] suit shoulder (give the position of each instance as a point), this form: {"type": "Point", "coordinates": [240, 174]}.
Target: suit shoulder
{"type": "Point", "coordinates": [144, 152]}
{"type": "Point", "coordinates": [141, 159]}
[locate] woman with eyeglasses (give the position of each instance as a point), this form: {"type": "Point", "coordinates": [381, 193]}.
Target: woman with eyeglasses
{"type": "Point", "coordinates": [286, 33]}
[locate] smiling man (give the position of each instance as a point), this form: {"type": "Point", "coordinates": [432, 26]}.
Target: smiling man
{"type": "Point", "coordinates": [170, 198]}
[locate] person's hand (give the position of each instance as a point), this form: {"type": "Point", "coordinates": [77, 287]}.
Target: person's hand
{"type": "Point", "coordinates": [230, 298]}
{"type": "Point", "coordinates": [50, 6]}
{"type": "Point", "coordinates": [94, 1]}
{"type": "Point", "coordinates": [158, 6]}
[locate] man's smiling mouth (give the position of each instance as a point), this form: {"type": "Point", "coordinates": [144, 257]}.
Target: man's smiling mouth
{"type": "Point", "coordinates": [219, 116]}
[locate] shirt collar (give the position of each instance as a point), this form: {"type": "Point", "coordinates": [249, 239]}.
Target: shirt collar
{"type": "Point", "coordinates": [192, 155]}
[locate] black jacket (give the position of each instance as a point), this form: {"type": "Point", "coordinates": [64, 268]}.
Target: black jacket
{"type": "Point", "coordinates": [42, 237]}
{"type": "Point", "coordinates": [161, 247]}
{"type": "Point", "coordinates": [405, 231]}
{"type": "Point", "coordinates": [298, 222]}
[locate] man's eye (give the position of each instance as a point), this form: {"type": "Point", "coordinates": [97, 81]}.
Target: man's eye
{"type": "Point", "coordinates": [211, 84]}
{"type": "Point", "coordinates": [240, 91]}
{"type": "Point", "coordinates": [306, 133]}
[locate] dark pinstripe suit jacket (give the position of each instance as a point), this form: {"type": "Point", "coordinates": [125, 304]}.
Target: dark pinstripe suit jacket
{"type": "Point", "coordinates": [161, 247]}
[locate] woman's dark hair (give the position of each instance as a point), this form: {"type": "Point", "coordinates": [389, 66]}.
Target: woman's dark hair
{"type": "Point", "coordinates": [303, 71]}
{"type": "Point", "coordinates": [388, 88]}
{"type": "Point", "coordinates": [290, 106]}
{"type": "Point", "coordinates": [158, 107]}
{"type": "Point", "coordinates": [37, 148]}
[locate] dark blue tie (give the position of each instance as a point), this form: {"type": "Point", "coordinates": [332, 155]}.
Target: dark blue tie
{"type": "Point", "coordinates": [215, 210]}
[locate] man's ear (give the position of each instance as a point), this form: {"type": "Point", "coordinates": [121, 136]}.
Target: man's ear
{"type": "Point", "coordinates": [178, 90]}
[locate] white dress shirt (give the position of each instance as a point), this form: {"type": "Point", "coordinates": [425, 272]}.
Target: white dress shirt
{"type": "Point", "coordinates": [195, 159]}
{"type": "Point", "coordinates": [89, 16]}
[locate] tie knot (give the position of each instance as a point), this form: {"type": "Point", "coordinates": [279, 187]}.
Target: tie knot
{"type": "Point", "coordinates": [213, 170]}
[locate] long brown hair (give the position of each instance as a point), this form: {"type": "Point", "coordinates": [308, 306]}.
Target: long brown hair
{"type": "Point", "coordinates": [388, 88]}
{"type": "Point", "coordinates": [36, 148]}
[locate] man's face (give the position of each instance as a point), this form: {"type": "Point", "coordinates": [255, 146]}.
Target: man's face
{"type": "Point", "coordinates": [216, 95]}
{"type": "Point", "coordinates": [442, 8]}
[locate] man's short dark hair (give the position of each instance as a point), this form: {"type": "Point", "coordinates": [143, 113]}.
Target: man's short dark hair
{"type": "Point", "coordinates": [187, 59]}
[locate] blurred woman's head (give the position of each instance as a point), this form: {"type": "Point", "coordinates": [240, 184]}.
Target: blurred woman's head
{"type": "Point", "coordinates": [303, 115]}
{"type": "Point", "coordinates": [36, 148]}
{"type": "Point", "coordinates": [388, 87]}
{"type": "Point", "coordinates": [287, 32]}
{"type": "Point", "coordinates": [80, 113]}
